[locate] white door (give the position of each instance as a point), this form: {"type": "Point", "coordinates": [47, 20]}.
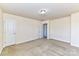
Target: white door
{"type": "Point", "coordinates": [10, 31]}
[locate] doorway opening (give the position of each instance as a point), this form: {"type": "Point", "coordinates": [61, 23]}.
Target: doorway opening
{"type": "Point", "coordinates": [45, 30]}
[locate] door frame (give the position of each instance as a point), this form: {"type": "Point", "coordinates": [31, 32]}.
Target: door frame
{"type": "Point", "coordinates": [48, 28]}
{"type": "Point", "coordinates": [45, 30]}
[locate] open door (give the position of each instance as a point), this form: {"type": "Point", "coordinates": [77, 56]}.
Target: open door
{"type": "Point", "coordinates": [45, 30]}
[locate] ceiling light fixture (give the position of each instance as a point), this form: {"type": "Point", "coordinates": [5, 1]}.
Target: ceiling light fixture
{"type": "Point", "coordinates": [43, 11]}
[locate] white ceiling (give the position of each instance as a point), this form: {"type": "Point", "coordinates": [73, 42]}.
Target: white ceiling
{"type": "Point", "coordinates": [31, 10]}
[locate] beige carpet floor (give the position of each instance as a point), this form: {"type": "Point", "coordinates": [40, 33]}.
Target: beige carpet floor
{"type": "Point", "coordinates": [41, 47]}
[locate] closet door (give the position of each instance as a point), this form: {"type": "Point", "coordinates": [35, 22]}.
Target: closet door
{"type": "Point", "coordinates": [10, 30]}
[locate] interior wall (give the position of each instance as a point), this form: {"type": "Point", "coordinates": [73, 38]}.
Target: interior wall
{"type": "Point", "coordinates": [1, 30]}
{"type": "Point", "coordinates": [60, 29]}
{"type": "Point", "coordinates": [26, 29]}
{"type": "Point", "coordinates": [75, 29]}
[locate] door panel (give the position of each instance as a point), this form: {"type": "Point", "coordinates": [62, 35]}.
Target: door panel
{"type": "Point", "coordinates": [10, 31]}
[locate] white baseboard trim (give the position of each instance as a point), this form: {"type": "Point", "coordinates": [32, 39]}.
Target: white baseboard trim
{"type": "Point", "coordinates": [61, 40]}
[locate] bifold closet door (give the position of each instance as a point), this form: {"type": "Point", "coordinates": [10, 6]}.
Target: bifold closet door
{"type": "Point", "coordinates": [9, 30]}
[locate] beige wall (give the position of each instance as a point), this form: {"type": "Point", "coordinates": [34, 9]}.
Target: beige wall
{"type": "Point", "coordinates": [1, 30]}
{"type": "Point", "coordinates": [60, 29]}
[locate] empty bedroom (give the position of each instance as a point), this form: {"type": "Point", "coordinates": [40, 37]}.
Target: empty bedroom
{"type": "Point", "coordinates": [39, 29]}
